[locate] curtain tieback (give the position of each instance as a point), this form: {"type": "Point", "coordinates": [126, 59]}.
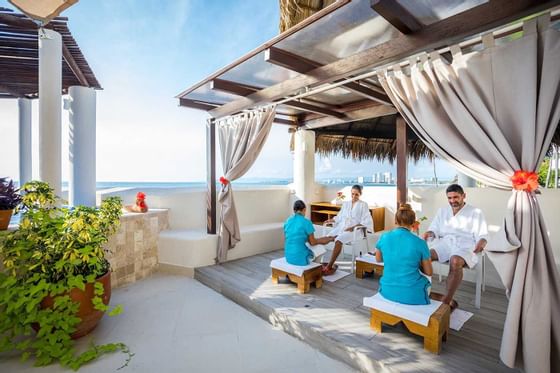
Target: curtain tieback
{"type": "Point", "coordinates": [223, 180]}
{"type": "Point", "coordinates": [525, 180]}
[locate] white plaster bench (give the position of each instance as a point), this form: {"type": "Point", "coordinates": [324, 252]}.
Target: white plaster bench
{"type": "Point", "coordinates": [192, 248]}
{"type": "Point", "coordinates": [303, 276]}
{"type": "Point", "coordinates": [430, 321]}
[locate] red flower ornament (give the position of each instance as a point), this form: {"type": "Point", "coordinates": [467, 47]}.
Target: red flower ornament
{"type": "Point", "coordinates": [525, 181]}
{"type": "Point", "coordinates": [140, 195]}
{"type": "Point", "coordinates": [223, 180]}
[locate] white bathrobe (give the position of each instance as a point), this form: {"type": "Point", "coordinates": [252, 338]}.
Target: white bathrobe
{"type": "Point", "coordinates": [349, 216]}
{"type": "Point", "coordinates": [458, 234]}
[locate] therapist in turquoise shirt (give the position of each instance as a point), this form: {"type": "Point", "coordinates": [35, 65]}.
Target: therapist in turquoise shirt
{"type": "Point", "coordinates": [404, 255]}
{"type": "Point", "coordinates": [297, 231]}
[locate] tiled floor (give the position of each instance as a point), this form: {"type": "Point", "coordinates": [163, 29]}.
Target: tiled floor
{"type": "Point", "coordinates": [175, 324]}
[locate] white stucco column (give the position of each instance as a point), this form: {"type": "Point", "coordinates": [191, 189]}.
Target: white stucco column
{"type": "Point", "coordinates": [50, 96]}
{"type": "Point", "coordinates": [304, 166]}
{"type": "Point", "coordinates": [465, 181]}
{"type": "Point", "coordinates": [81, 111]}
{"type": "Point", "coordinates": [25, 156]}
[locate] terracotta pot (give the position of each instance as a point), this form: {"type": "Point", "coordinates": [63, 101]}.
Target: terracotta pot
{"type": "Point", "coordinates": [5, 216]}
{"type": "Point", "coordinates": [89, 315]}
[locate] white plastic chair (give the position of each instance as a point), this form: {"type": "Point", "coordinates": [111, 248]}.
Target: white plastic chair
{"type": "Point", "coordinates": [480, 273]}
{"type": "Point", "coordinates": [361, 236]}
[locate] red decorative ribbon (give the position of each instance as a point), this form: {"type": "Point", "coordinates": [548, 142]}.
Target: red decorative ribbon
{"type": "Point", "coordinates": [525, 180]}
{"type": "Point", "coordinates": [223, 180]}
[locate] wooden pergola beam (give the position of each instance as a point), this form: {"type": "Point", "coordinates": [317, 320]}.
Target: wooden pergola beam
{"type": "Point", "coordinates": [402, 161]}
{"type": "Point", "coordinates": [315, 109]}
{"type": "Point", "coordinates": [194, 104]}
{"type": "Point", "coordinates": [246, 90]}
{"type": "Point", "coordinates": [211, 178]}
{"type": "Point", "coordinates": [20, 22]}
{"type": "Point", "coordinates": [11, 91]}
{"type": "Point", "coordinates": [450, 30]}
{"type": "Point", "coordinates": [232, 87]}
{"type": "Point", "coordinates": [74, 66]}
{"type": "Point", "coordinates": [303, 65]}
{"type": "Point", "coordinates": [397, 15]}
{"type": "Point", "coordinates": [201, 105]}
{"type": "Point", "coordinates": [372, 111]}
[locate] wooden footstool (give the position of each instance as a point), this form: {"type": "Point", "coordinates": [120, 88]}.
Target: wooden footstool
{"type": "Point", "coordinates": [434, 332]}
{"type": "Point", "coordinates": [303, 276]}
{"type": "Point", "coordinates": [368, 264]}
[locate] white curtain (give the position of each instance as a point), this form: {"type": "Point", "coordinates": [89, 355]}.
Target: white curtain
{"type": "Point", "coordinates": [491, 113]}
{"type": "Point", "coordinates": [241, 140]}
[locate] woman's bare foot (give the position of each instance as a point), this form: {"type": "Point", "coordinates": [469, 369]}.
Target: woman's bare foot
{"type": "Point", "coordinates": [328, 271]}
{"type": "Point", "coordinates": [440, 297]}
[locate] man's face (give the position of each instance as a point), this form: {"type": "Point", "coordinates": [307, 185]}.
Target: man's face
{"type": "Point", "coordinates": [455, 199]}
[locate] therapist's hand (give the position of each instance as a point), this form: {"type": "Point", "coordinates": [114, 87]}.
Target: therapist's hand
{"type": "Point", "coordinates": [428, 234]}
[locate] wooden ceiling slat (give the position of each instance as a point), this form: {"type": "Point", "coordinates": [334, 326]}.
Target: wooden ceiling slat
{"type": "Point", "coordinates": [19, 54]}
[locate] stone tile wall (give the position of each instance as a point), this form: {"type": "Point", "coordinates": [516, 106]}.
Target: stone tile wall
{"type": "Point", "coordinates": [133, 250]}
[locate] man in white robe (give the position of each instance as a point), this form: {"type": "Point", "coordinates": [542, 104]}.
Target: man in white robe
{"type": "Point", "coordinates": [457, 233]}
{"type": "Point", "coordinates": [353, 214]}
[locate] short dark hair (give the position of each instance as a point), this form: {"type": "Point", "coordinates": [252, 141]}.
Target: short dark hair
{"type": "Point", "coordinates": [299, 205]}
{"type": "Point", "coordinates": [358, 187]}
{"type": "Point", "coordinates": [455, 188]}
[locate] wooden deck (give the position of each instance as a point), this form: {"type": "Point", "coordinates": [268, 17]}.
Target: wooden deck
{"type": "Point", "coordinates": [333, 320]}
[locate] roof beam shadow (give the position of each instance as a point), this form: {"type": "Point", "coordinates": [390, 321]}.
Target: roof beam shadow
{"type": "Point", "coordinates": [397, 15]}
{"type": "Point", "coordinates": [245, 90]}
{"type": "Point", "coordinates": [303, 65]}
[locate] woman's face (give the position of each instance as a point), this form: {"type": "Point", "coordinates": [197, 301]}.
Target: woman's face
{"type": "Point", "coordinates": [356, 195]}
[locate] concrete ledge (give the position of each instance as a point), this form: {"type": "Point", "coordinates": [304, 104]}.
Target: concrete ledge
{"type": "Point", "coordinates": [190, 248]}
{"type": "Point", "coordinates": [176, 270]}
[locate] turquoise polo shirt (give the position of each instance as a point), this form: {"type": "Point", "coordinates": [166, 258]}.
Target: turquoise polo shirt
{"type": "Point", "coordinates": [296, 231]}
{"type": "Point", "coordinates": [403, 253]}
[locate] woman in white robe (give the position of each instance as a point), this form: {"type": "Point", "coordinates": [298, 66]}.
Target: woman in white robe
{"type": "Point", "coordinates": [353, 213]}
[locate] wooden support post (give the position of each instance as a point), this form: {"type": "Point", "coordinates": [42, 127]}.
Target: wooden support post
{"type": "Point", "coordinates": [402, 161]}
{"type": "Point", "coordinates": [211, 177]}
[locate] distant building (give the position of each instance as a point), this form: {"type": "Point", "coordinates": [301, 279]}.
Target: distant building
{"type": "Point", "coordinates": [387, 177]}
{"type": "Point", "coordinates": [360, 179]}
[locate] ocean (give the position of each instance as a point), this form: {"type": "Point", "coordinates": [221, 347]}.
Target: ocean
{"type": "Point", "coordinates": [101, 185]}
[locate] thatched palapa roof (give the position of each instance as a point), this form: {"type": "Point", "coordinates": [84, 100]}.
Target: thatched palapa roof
{"type": "Point", "coordinates": [293, 12]}
{"type": "Point", "coordinates": [367, 140]}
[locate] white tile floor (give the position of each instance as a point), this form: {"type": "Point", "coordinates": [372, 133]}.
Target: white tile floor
{"type": "Point", "coordinates": [175, 324]}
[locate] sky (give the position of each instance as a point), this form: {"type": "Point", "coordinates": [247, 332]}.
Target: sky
{"type": "Point", "coordinates": [146, 52]}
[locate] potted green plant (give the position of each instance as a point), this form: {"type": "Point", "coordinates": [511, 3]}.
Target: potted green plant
{"type": "Point", "coordinates": [9, 199]}
{"type": "Point", "coordinates": [55, 277]}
